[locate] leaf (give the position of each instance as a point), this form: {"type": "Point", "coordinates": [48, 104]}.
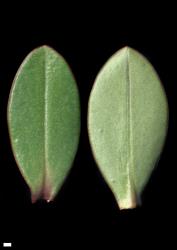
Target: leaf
{"type": "Point", "coordinates": [44, 121]}
{"type": "Point", "coordinates": [127, 123]}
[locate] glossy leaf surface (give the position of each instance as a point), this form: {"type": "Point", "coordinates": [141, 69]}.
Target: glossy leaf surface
{"type": "Point", "coordinates": [44, 121]}
{"type": "Point", "coordinates": [127, 123]}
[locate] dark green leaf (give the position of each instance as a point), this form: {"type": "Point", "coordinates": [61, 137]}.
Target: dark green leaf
{"type": "Point", "coordinates": [44, 121]}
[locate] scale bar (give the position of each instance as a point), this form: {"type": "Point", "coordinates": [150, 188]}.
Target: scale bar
{"type": "Point", "coordinates": [7, 244]}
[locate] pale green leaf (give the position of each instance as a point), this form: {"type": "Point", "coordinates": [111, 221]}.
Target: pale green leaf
{"type": "Point", "coordinates": [44, 121]}
{"type": "Point", "coordinates": [127, 123]}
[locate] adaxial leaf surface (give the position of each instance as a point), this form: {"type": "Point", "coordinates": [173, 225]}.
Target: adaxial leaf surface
{"type": "Point", "coordinates": [44, 121]}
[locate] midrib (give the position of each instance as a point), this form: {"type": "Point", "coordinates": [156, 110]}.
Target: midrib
{"type": "Point", "coordinates": [130, 160]}
{"type": "Point", "coordinates": [45, 118]}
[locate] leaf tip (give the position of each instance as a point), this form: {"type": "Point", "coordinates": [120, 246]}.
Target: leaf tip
{"type": "Point", "coordinates": [45, 47]}
{"type": "Point", "coordinates": [126, 49]}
